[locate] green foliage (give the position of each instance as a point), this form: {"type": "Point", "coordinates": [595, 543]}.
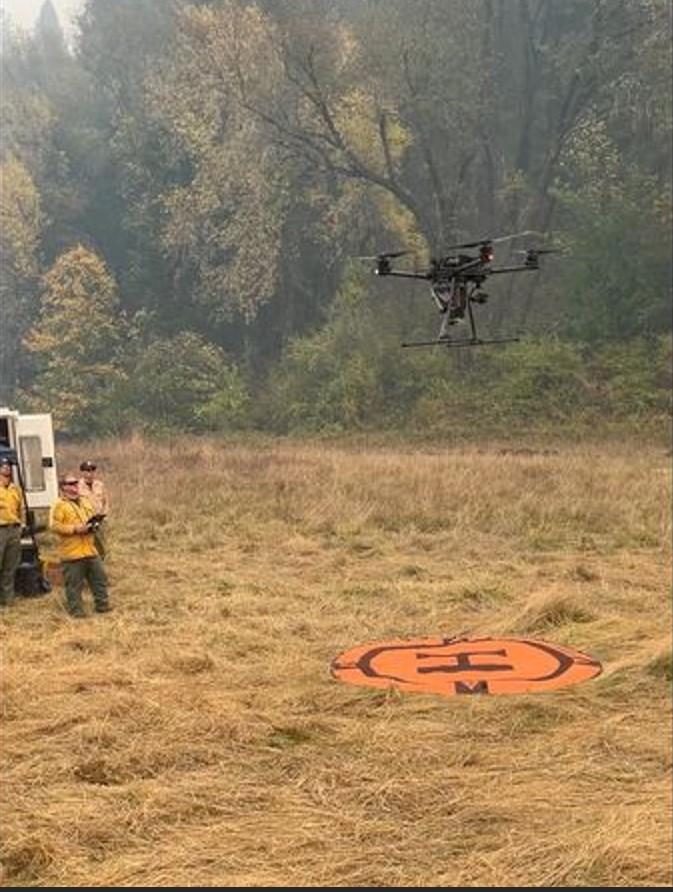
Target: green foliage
{"type": "Point", "coordinates": [228, 157]}
{"type": "Point", "coordinates": [633, 379]}
{"type": "Point", "coordinates": [619, 285]}
{"type": "Point", "coordinates": [351, 374]}
{"type": "Point", "coordinates": [76, 343]}
{"type": "Point", "coordinates": [20, 225]}
{"type": "Point", "coordinates": [532, 377]}
{"type": "Point", "coordinates": [20, 221]}
{"type": "Point", "coordinates": [220, 224]}
{"type": "Point", "coordinates": [549, 382]}
{"type": "Point", "coordinates": [182, 383]}
{"type": "Point", "coordinates": [616, 280]}
{"type": "Point", "coordinates": [321, 383]}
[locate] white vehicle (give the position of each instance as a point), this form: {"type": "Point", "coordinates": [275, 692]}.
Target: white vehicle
{"type": "Point", "coordinates": [28, 442]}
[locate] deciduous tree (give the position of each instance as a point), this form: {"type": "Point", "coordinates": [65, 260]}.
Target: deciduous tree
{"type": "Point", "coordinates": [76, 341]}
{"type": "Point", "coordinates": [20, 224]}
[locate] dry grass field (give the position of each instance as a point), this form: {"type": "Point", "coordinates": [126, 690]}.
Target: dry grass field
{"type": "Point", "coordinates": [195, 737]}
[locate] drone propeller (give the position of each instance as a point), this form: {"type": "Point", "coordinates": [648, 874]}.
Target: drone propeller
{"type": "Point", "coordinates": [494, 241]}
{"type": "Point", "coordinates": [506, 238]}
{"type": "Point", "coordinates": [539, 251]}
{"type": "Point", "coordinates": [385, 255]}
{"type": "Point", "coordinates": [484, 241]}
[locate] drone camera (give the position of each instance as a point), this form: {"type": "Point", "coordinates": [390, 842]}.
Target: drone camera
{"type": "Point", "coordinates": [486, 253]}
{"type": "Point", "coordinates": [383, 266]}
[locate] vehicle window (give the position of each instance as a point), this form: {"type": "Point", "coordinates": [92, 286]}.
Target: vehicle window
{"type": "Point", "coordinates": [30, 449]}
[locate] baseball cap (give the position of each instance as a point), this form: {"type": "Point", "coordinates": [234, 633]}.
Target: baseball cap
{"type": "Point", "coordinates": [88, 466]}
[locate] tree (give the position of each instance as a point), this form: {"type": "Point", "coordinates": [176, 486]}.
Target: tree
{"type": "Point", "coordinates": [460, 113]}
{"type": "Point", "coordinates": [183, 383]}
{"type": "Point", "coordinates": [120, 46]}
{"type": "Point", "coordinates": [48, 31]}
{"type": "Point", "coordinates": [222, 222]}
{"type": "Point", "coordinates": [20, 225]}
{"type": "Point", "coordinates": [618, 232]}
{"type": "Point", "coordinates": [44, 107]}
{"type": "Point", "coordinates": [351, 374]}
{"type": "Point", "coordinates": [76, 342]}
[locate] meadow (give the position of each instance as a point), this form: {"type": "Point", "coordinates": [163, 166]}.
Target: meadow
{"type": "Point", "coordinates": [195, 736]}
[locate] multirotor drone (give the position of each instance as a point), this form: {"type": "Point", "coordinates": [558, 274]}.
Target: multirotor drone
{"type": "Point", "coordinates": [456, 284]}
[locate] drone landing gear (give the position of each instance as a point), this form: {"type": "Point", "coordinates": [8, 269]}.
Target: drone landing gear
{"type": "Point", "coordinates": [453, 311]}
{"type": "Point", "coordinates": [465, 342]}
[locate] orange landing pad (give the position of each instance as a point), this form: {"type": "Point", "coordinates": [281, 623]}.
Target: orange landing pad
{"type": "Point", "coordinates": [451, 666]}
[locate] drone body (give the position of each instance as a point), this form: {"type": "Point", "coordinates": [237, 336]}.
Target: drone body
{"type": "Point", "coordinates": [455, 282]}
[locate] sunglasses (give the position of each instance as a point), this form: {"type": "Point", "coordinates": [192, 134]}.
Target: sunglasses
{"type": "Point", "coordinates": [70, 482]}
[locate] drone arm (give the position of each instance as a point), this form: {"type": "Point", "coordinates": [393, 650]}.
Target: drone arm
{"type": "Point", "coordinates": [514, 269]}
{"type": "Point", "coordinates": [400, 275]}
{"type": "Point", "coordinates": [471, 264]}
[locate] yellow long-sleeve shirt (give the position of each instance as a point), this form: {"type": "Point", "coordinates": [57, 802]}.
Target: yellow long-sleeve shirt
{"type": "Point", "coordinates": [64, 517]}
{"type": "Point", "coordinates": [11, 505]}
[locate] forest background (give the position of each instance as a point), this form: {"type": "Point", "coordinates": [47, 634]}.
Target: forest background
{"type": "Point", "coordinates": [185, 186]}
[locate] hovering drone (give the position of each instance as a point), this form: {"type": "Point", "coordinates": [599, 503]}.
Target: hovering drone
{"type": "Point", "coordinates": [456, 283]}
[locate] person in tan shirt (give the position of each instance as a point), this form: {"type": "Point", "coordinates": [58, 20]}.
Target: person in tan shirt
{"type": "Point", "coordinates": [94, 490]}
{"type": "Point", "coordinates": [70, 518]}
{"type": "Point", "coordinates": [11, 519]}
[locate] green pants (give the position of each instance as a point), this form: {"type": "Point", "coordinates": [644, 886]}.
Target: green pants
{"type": "Point", "coordinates": [75, 574]}
{"type": "Point", "coordinates": [10, 558]}
{"type": "Point", "coordinates": [99, 540]}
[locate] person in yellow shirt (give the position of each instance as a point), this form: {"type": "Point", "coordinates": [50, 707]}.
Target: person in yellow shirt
{"type": "Point", "coordinates": [11, 518]}
{"type": "Point", "coordinates": [72, 518]}
{"type": "Point", "coordinates": [94, 490]}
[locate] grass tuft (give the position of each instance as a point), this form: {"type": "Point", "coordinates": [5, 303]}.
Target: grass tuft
{"type": "Point", "coordinates": [661, 665]}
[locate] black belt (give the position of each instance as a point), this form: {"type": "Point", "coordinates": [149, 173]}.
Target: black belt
{"type": "Point", "coordinates": [6, 525]}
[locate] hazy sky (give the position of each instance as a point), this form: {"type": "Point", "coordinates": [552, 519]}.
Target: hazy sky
{"type": "Point", "coordinates": [24, 12]}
